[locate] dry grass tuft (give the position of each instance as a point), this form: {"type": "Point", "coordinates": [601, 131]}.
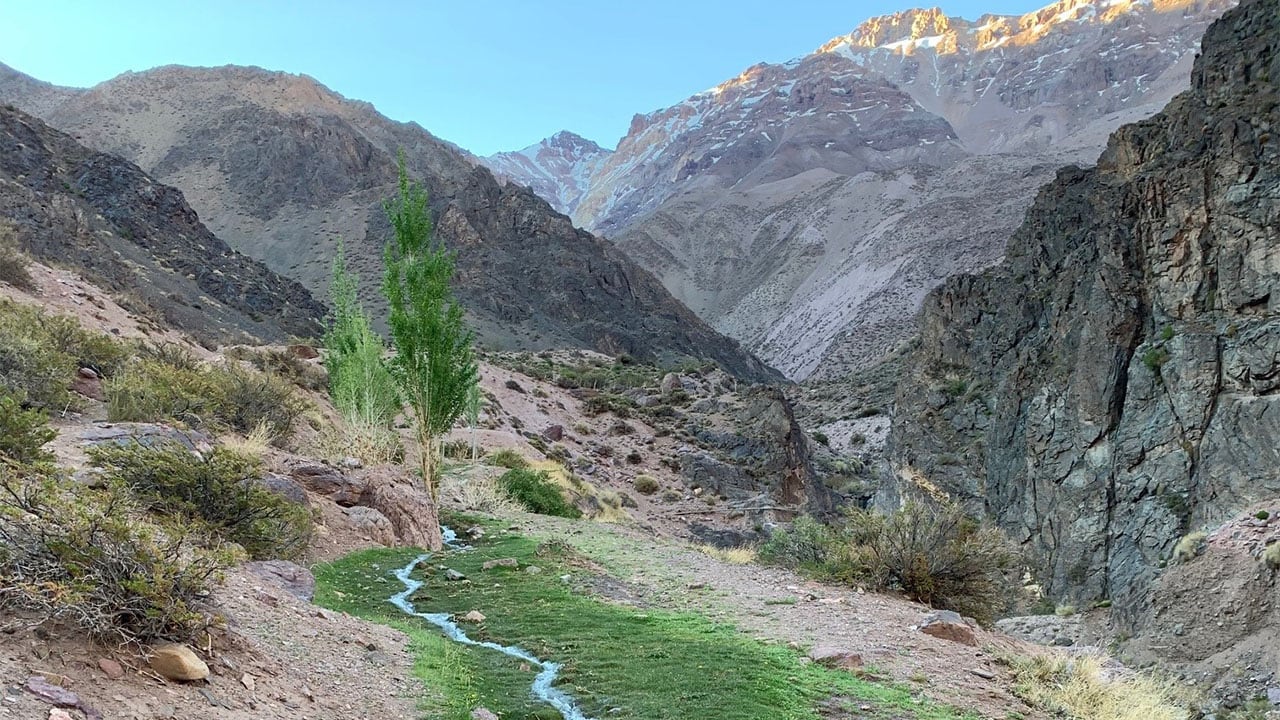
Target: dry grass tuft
{"type": "Point", "coordinates": [742, 555]}
{"type": "Point", "coordinates": [1271, 556]}
{"type": "Point", "coordinates": [1082, 688]}
{"type": "Point", "coordinates": [255, 444]}
{"type": "Point", "coordinates": [1189, 547]}
{"type": "Point", "coordinates": [482, 494]}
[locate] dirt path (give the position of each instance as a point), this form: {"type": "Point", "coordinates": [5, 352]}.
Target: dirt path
{"type": "Point", "coordinates": [778, 605]}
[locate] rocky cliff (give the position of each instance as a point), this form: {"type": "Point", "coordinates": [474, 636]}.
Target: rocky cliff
{"type": "Point", "coordinates": [282, 167]}
{"type": "Point", "coordinates": [1115, 382]}
{"type": "Point", "coordinates": [104, 217]}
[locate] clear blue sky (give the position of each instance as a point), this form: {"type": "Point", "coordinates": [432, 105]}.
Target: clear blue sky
{"type": "Point", "coordinates": [488, 75]}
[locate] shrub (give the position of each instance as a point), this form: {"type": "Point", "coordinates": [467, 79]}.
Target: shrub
{"type": "Point", "coordinates": [937, 557]}
{"type": "Point", "coordinates": [283, 364]}
{"type": "Point", "coordinates": [742, 555]}
{"type": "Point", "coordinates": [608, 402]}
{"type": "Point", "coordinates": [456, 450]}
{"type": "Point", "coordinates": [14, 263]}
{"type": "Point", "coordinates": [535, 490]}
{"type": "Point", "coordinates": [634, 458]}
{"type": "Point", "coordinates": [23, 433]}
{"type": "Point", "coordinates": [73, 554]}
{"type": "Point", "coordinates": [507, 458]}
{"type": "Point", "coordinates": [218, 490]}
{"type": "Point", "coordinates": [645, 484]}
{"type": "Point", "coordinates": [1262, 515]}
{"type": "Point", "coordinates": [807, 545]}
{"type": "Point", "coordinates": [1189, 547]}
{"type": "Point", "coordinates": [1271, 556]}
{"type": "Point", "coordinates": [821, 438]}
{"type": "Point", "coordinates": [207, 396]}
{"type": "Point", "coordinates": [39, 354]}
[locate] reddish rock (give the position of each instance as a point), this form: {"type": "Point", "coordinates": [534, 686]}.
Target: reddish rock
{"type": "Point", "coordinates": [948, 625]}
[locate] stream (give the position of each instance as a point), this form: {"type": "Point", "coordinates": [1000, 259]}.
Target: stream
{"type": "Point", "coordinates": [542, 682]}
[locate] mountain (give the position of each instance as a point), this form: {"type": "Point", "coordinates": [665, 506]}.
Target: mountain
{"type": "Point", "coordinates": [282, 167]}
{"type": "Point", "coordinates": [1114, 383]}
{"type": "Point", "coordinates": [806, 208]}
{"type": "Point", "coordinates": [557, 169]}
{"type": "Point", "coordinates": [104, 217]}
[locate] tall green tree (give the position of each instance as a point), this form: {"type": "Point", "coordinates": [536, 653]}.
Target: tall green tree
{"type": "Point", "coordinates": [434, 364]}
{"type": "Point", "coordinates": [359, 382]}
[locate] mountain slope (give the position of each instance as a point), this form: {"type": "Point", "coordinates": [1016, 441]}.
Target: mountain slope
{"type": "Point", "coordinates": [104, 217]}
{"type": "Point", "coordinates": [282, 168]}
{"type": "Point", "coordinates": [1115, 382]}
{"type": "Point", "coordinates": [818, 263]}
{"type": "Point", "coordinates": [557, 169]}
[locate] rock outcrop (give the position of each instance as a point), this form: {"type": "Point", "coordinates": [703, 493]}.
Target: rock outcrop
{"type": "Point", "coordinates": [130, 234]}
{"type": "Point", "coordinates": [1115, 382]}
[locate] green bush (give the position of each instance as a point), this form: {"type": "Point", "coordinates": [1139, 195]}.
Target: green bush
{"type": "Point", "coordinates": [360, 383]}
{"type": "Point", "coordinates": [284, 364]}
{"type": "Point", "coordinates": [645, 484]}
{"type": "Point", "coordinates": [507, 458]}
{"type": "Point", "coordinates": [938, 557]}
{"type": "Point", "coordinates": [212, 396]}
{"type": "Point", "coordinates": [69, 553]}
{"type": "Point", "coordinates": [39, 354]}
{"type": "Point", "coordinates": [23, 433]}
{"type": "Point", "coordinates": [821, 438]}
{"type": "Point", "coordinates": [218, 490]}
{"type": "Point", "coordinates": [14, 263]}
{"type": "Point", "coordinates": [536, 491]}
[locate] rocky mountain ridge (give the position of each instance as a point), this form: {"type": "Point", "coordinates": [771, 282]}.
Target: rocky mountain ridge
{"type": "Point", "coordinates": [1112, 385]}
{"type": "Point", "coordinates": [282, 167]}
{"type": "Point", "coordinates": [911, 148]}
{"type": "Point", "coordinates": [105, 218]}
{"type": "Point", "coordinates": [556, 168]}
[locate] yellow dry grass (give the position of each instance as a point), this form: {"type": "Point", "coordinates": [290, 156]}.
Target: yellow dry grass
{"type": "Point", "coordinates": [1079, 689]}
{"type": "Point", "coordinates": [742, 555]}
{"type": "Point", "coordinates": [255, 444]}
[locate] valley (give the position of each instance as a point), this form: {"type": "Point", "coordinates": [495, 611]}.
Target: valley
{"type": "Point", "coordinates": [931, 375]}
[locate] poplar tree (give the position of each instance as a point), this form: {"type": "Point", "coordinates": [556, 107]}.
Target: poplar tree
{"type": "Point", "coordinates": [434, 363]}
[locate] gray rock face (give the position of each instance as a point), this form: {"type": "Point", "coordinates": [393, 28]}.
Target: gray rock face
{"type": "Point", "coordinates": [1113, 382]}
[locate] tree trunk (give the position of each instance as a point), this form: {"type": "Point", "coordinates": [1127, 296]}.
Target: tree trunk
{"type": "Point", "coordinates": [430, 518]}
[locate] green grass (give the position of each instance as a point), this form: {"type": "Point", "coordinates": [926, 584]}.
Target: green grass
{"type": "Point", "coordinates": [619, 662]}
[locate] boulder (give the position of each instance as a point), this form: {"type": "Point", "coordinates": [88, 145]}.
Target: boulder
{"type": "Point", "coordinates": [373, 524]}
{"type": "Point", "coordinates": [948, 625]}
{"type": "Point", "coordinates": [835, 657]}
{"type": "Point", "coordinates": [475, 616]}
{"type": "Point", "coordinates": [501, 562]}
{"type": "Point", "coordinates": [304, 352]}
{"type": "Point", "coordinates": [554, 433]}
{"type": "Point", "coordinates": [391, 491]}
{"type": "Point", "coordinates": [297, 580]}
{"type": "Point", "coordinates": [328, 481]}
{"type": "Point", "coordinates": [178, 662]}
{"type": "Point", "coordinates": [483, 714]}
{"type": "Point", "coordinates": [285, 488]}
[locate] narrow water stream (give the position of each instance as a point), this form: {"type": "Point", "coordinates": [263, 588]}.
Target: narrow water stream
{"type": "Point", "coordinates": [542, 682]}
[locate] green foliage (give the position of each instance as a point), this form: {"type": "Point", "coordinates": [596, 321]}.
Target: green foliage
{"type": "Point", "coordinates": [608, 402]}
{"type": "Point", "coordinates": [536, 491]}
{"type": "Point", "coordinates": [1262, 515]}
{"type": "Point", "coordinates": [618, 661]}
{"type": "Point", "coordinates": [74, 554]}
{"type": "Point", "coordinates": [645, 484]}
{"type": "Point", "coordinates": [359, 381]}
{"type": "Point", "coordinates": [219, 491]}
{"type": "Point", "coordinates": [14, 263]}
{"type": "Point", "coordinates": [1155, 358]}
{"type": "Point", "coordinates": [938, 557]}
{"type": "Point", "coordinates": [434, 365]}
{"type": "Point", "coordinates": [39, 354]}
{"type": "Point", "coordinates": [210, 396]}
{"type": "Point", "coordinates": [23, 433]}
{"type": "Point", "coordinates": [821, 438]}
{"type": "Point", "coordinates": [507, 458]}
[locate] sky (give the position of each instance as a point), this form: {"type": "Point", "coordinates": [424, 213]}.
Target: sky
{"type": "Point", "coordinates": [488, 75]}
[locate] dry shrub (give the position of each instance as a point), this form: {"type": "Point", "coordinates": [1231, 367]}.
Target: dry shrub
{"type": "Point", "coordinates": [645, 484]}
{"type": "Point", "coordinates": [484, 494]}
{"type": "Point", "coordinates": [14, 264]}
{"type": "Point", "coordinates": [1190, 546]}
{"type": "Point", "coordinates": [217, 491]}
{"type": "Point", "coordinates": [938, 557]}
{"type": "Point", "coordinates": [70, 553]}
{"type": "Point", "coordinates": [23, 433]}
{"type": "Point", "coordinates": [507, 458]}
{"type": "Point", "coordinates": [371, 444]}
{"type": "Point", "coordinates": [207, 396]}
{"type": "Point", "coordinates": [1078, 687]}
{"type": "Point", "coordinates": [743, 555]}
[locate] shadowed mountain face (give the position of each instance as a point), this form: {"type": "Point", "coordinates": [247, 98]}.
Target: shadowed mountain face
{"type": "Point", "coordinates": [806, 208]}
{"type": "Point", "coordinates": [1115, 383]}
{"type": "Point", "coordinates": [282, 168]}
{"type": "Point", "coordinates": [101, 215]}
